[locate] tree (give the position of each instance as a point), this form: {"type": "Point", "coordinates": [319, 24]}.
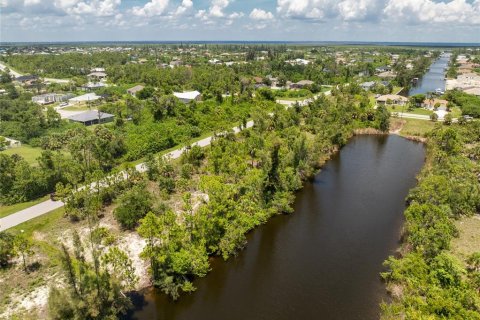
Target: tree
{"type": "Point", "coordinates": [133, 205]}
{"type": "Point", "coordinates": [448, 119]}
{"type": "Point", "coordinates": [23, 246]}
{"type": "Point", "coordinates": [3, 143]}
{"type": "Point", "coordinates": [434, 117]}
{"type": "Point", "coordinates": [383, 117]}
{"type": "Point", "coordinates": [7, 248]}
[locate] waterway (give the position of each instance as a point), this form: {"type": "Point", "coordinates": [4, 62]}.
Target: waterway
{"type": "Point", "coordinates": [324, 260]}
{"type": "Point", "coordinates": [434, 78]}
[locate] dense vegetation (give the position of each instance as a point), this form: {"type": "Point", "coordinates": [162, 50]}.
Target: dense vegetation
{"type": "Point", "coordinates": [427, 281]}
{"type": "Point", "coordinates": [469, 104]}
{"type": "Point", "coordinates": [246, 179]}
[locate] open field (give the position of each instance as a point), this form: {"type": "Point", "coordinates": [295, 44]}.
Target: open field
{"type": "Point", "coordinates": [413, 127]}
{"type": "Point", "coordinates": [30, 154]}
{"type": "Point", "coordinates": [468, 241]}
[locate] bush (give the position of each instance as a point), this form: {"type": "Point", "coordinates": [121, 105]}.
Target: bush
{"type": "Point", "coordinates": [133, 206]}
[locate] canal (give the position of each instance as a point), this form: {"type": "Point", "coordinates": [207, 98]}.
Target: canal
{"type": "Point", "coordinates": [434, 78]}
{"type": "Point", "coordinates": [324, 260]}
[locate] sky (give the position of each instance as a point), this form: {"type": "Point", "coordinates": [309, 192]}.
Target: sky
{"type": "Point", "coordinates": [261, 20]}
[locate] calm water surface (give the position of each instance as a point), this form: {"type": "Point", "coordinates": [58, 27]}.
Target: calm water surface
{"type": "Point", "coordinates": [323, 261]}
{"type": "Point", "coordinates": [434, 78]}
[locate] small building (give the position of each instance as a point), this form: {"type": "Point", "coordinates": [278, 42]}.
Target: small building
{"type": "Point", "coordinates": [367, 85]}
{"type": "Point", "coordinates": [97, 70]}
{"type": "Point", "coordinates": [391, 99]}
{"type": "Point", "coordinates": [84, 98]}
{"type": "Point", "coordinates": [97, 75]}
{"type": "Point", "coordinates": [383, 69]}
{"type": "Point", "coordinates": [91, 117]}
{"type": "Point", "coordinates": [93, 85]}
{"type": "Point", "coordinates": [431, 103]}
{"type": "Point", "coordinates": [48, 98]}
{"type": "Point", "coordinates": [175, 63]}
{"type": "Point", "coordinates": [188, 96]}
{"type": "Point", "coordinates": [301, 84]}
{"type": "Point", "coordinates": [474, 91]}
{"type": "Point", "coordinates": [133, 91]}
{"type": "Point", "coordinates": [27, 80]}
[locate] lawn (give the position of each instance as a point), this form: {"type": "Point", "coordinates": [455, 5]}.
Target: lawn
{"type": "Point", "coordinates": [468, 241]}
{"type": "Point", "coordinates": [82, 107]}
{"type": "Point", "coordinates": [404, 109]}
{"type": "Point", "coordinates": [415, 127]}
{"type": "Point", "coordinates": [7, 210]}
{"type": "Point", "coordinates": [30, 154]}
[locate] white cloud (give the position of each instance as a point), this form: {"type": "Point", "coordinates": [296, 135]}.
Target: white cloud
{"type": "Point", "coordinates": [259, 14]}
{"type": "Point", "coordinates": [152, 8]}
{"type": "Point", "coordinates": [184, 7]}
{"type": "Point", "coordinates": [236, 15]}
{"type": "Point", "coordinates": [99, 8]}
{"type": "Point", "coordinates": [306, 9]}
{"type": "Point", "coordinates": [217, 7]}
{"type": "Point", "coordinates": [356, 10]}
{"type": "Point", "coordinates": [427, 11]}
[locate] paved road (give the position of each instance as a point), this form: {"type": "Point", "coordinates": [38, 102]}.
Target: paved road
{"type": "Point", "coordinates": [18, 74]}
{"type": "Point", "coordinates": [29, 213]}
{"type": "Point", "coordinates": [49, 205]}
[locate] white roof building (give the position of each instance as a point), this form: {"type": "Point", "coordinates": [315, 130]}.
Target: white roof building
{"type": "Point", "coordinates": [187, 96]}
{"type": "Point", "coordinates": [84, 98]}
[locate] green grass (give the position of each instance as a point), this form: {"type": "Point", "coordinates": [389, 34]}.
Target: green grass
{"type": "Point", "coordinates": [77, 108]}
{"type": "Point", "coordinates": [456, 112]}
{"type": "Point", "coordinates": [30, 154]}
{"type": "Point", "coordinates": [44, 223]}
{"type": "Point", "coordinates": [404, 109]}
{"type": "Point", "coordinates": [8, 210]}
{"type": "Point", "coordinates": [416, 127]}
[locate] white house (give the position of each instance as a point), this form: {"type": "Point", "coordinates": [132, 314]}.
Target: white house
{"type": "Point", "coordinates": [188, 96]}
{"type": "Point", "coordinates": [84, 98]}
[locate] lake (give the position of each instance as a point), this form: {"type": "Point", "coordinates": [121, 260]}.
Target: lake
{"type": "Point", "coordinates": [324, 260]}
{"type": "Point", "coordinates": [434, 78]}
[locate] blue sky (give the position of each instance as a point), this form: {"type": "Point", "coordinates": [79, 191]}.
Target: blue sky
{"type": "Point", "coordinates": [315, 20]}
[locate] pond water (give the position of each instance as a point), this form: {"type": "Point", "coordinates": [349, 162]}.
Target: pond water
{"type": "Point", "coordinates": [324, 260]}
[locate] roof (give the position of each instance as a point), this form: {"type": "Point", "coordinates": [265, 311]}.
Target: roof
{"type": "Point", "coordinates": [26, 78]}
{"type": "Point", "coordinates": [188, 95]}
{"type": "Point", "coordinates": [368, 84]}
{"type": "Point", "coordinates": [97, 74]}
{"type": "Point", "coordinates": [305, 82]}
{"type": "Point", "coordinates": [90, 116]}
{"type": "Point", "coordinates": [435, 101]}
{"type": "Point", "coordinates": [135, 89]}
{"type": "Point", "coordinates": [475, 91]}
{"type": "Point", "coordinates": [86, 97]}
{"type": "Point", "coordinates": [393, 97]}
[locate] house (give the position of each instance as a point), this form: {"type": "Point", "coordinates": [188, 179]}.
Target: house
{"type": "Point", "coordinates": [93, 85]}
{"type": "Point", "coordinates": [27, 80]}
{"type": "Point", "coordinates": [91, 117]}
{"type": "Point", "coordinates": [391, 99]}
{"type": "Point", "coordinates": [97, 70]}
{"type": "Point", "coordinates": [431, 103]}
{"type": "Point", "coordinates": [383, 69]}
{"type": "Point", "coordinates": [51, 98]}
{"type": "Point", "coordinates": [133, 91]}
{"type": "Point", "coordinates": [367, 85]}
{"type": "Point", "coordinates": [84, 98]}
{"type": "Point", "coordinates": [175, 63]}
{"type": "Point", "coordinates": [387, 75]}
{"type": "Point", "coordinates": [302, 84]}
{"type": "Point", "coordinates": [188, 96]}
{"type": "Point", "coordinates": [97, 76]}
{"type": "Point", "coordinates": [475, 91]}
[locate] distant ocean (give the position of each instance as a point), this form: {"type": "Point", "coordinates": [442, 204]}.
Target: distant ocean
{"type": "Point", "coordinates": [315, 43]}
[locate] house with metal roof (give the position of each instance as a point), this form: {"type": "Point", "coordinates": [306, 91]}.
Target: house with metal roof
{"type": "Point", "coordinates": [91, 117]}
